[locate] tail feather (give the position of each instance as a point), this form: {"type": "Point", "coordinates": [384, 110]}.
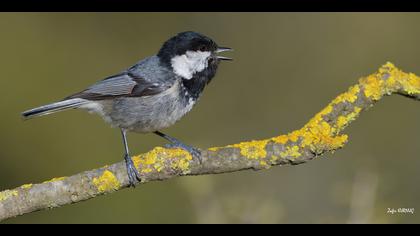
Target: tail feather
{"type": "Point", "coordinates": [53, 107]}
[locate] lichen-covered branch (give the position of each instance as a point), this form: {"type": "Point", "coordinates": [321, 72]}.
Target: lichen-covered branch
{"type": "Point", "coordinates": [323, 133]}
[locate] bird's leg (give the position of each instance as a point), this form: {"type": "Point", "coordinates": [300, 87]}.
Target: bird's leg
{"type": "Point", "coordinates": [175, 143]}
{"type": "Point", "coordinates": [132, 172]}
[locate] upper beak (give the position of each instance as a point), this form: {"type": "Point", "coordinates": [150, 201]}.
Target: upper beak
{"type": "Point", "coordinates": [223, 49]}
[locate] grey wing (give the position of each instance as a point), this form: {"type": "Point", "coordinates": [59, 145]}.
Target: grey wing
{"type": "Point", "coordinates": [122, 85]}
{"type": "Point", "coordinates": [114, 85]}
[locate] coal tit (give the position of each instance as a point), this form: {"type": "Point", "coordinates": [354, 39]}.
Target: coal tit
{"type": "Point", "coordinates": [152, 94]}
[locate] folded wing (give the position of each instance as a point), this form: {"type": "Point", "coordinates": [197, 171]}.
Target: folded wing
{"type": "Point", "coordinates": [122, 85]}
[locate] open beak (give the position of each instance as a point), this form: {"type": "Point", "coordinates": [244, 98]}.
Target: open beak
{"type": "Point", "coordinates": [224, 49]}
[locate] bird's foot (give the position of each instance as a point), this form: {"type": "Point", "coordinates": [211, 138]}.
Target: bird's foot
{"type": "Point", "coordinates": [195, 152]}
{"type": "Point", "coordinates": [132, 172]}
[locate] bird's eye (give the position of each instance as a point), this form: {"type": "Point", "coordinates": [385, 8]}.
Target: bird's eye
{"type": "Point", "coordinates": [202, 48]}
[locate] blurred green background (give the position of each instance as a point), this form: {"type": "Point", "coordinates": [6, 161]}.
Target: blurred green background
{"type": "Point", "coordinates": [287, 67]}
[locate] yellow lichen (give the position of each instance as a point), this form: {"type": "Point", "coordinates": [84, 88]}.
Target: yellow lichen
{"type": "Point", "coordinates": [291, 152]}
{"type": "Point", "coordinates": [7, 194]}
{"type": "Point", "coordinates": [391, 76]}
{"type": "Point", "coordinates": [294, 136]}
{"type": "Point", "coordinates": [159, 166]}
{"type": "Point", "coordinates": [26, 186]}
{"type": "Point", "coordinates": [321, 136]}
{"type": "Point", "coordinates": [106, 182]}
{"type": "Point", "coordinates": [317, 133]}
{"type": "Point", "coordinates": [336, 142]}
{"type": "Point", "coordinates": [344, 120]}
{"type": "Point", "coordinates": [146, 170]}
{"type": "Point", "coordinates": [282, 139]}
{"type": "Point", "coordinates": [411, 84]}
{"type": "Point", "coordinates": [253, 149]}
{"type": "Point", "coordinates": [389, 71]}
{"type": "Point", "coordinates": [341, 121]}
{"type": "Point", "coordinates": [390, 82]}
{"type": "Point", "coordinates": [156, 158]}
{"type": "Point", "coordinates": [349, 96]}
{"type": "Point", "coordinates": [214, 149]}
{"type": "Point", "coordinates": [387, 67]}
{"type": "Point", "coordinates": [182, 164]}
{"type": "Point", "coordinates": [273, 158]}
{"type": "Point", "coordinates": [327, 110]}
{"type": "Point", "coordinates": [373, 87]}
{"type": "Point", "coordinates": [390, 79]}
{"type": "Point", "coordinates": [54, 179]}
{"type": "Point", "coordinates": [264, 164]}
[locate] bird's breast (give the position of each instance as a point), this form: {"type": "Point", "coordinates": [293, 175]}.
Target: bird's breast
{"type": "Point", "coordinates": [150, 113]}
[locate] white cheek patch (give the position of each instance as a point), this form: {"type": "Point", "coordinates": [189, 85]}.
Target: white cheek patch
{"type": "Point", "coordinates": [189, 63]}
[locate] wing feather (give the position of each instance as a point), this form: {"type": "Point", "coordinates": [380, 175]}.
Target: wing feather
{"type": "Point", "coordinates": [116, 85]}
{"type": "Point", "coordinates": [122, 85]}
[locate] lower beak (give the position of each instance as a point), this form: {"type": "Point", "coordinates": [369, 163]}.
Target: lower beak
{"type": "Point", "coordinates": [224, 49]}
{"type": "Point", "coordinates": [224, 58]}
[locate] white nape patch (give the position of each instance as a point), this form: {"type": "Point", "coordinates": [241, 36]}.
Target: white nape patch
{"type": "Point", "coordinates": [189, 63]}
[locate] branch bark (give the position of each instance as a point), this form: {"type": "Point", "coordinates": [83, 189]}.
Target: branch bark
{"type": "Point", "coordinates": [323, 133]}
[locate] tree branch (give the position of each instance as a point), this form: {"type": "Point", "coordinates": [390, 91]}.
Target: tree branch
{"type": "Point", "coordinates": [323, 133]}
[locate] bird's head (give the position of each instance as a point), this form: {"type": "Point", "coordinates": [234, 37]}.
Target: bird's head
{"type": "Point", "coordinates": [190, 53]}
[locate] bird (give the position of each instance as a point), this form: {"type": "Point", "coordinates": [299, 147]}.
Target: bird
{"type": "Point", "coordinates": [152, 94]}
